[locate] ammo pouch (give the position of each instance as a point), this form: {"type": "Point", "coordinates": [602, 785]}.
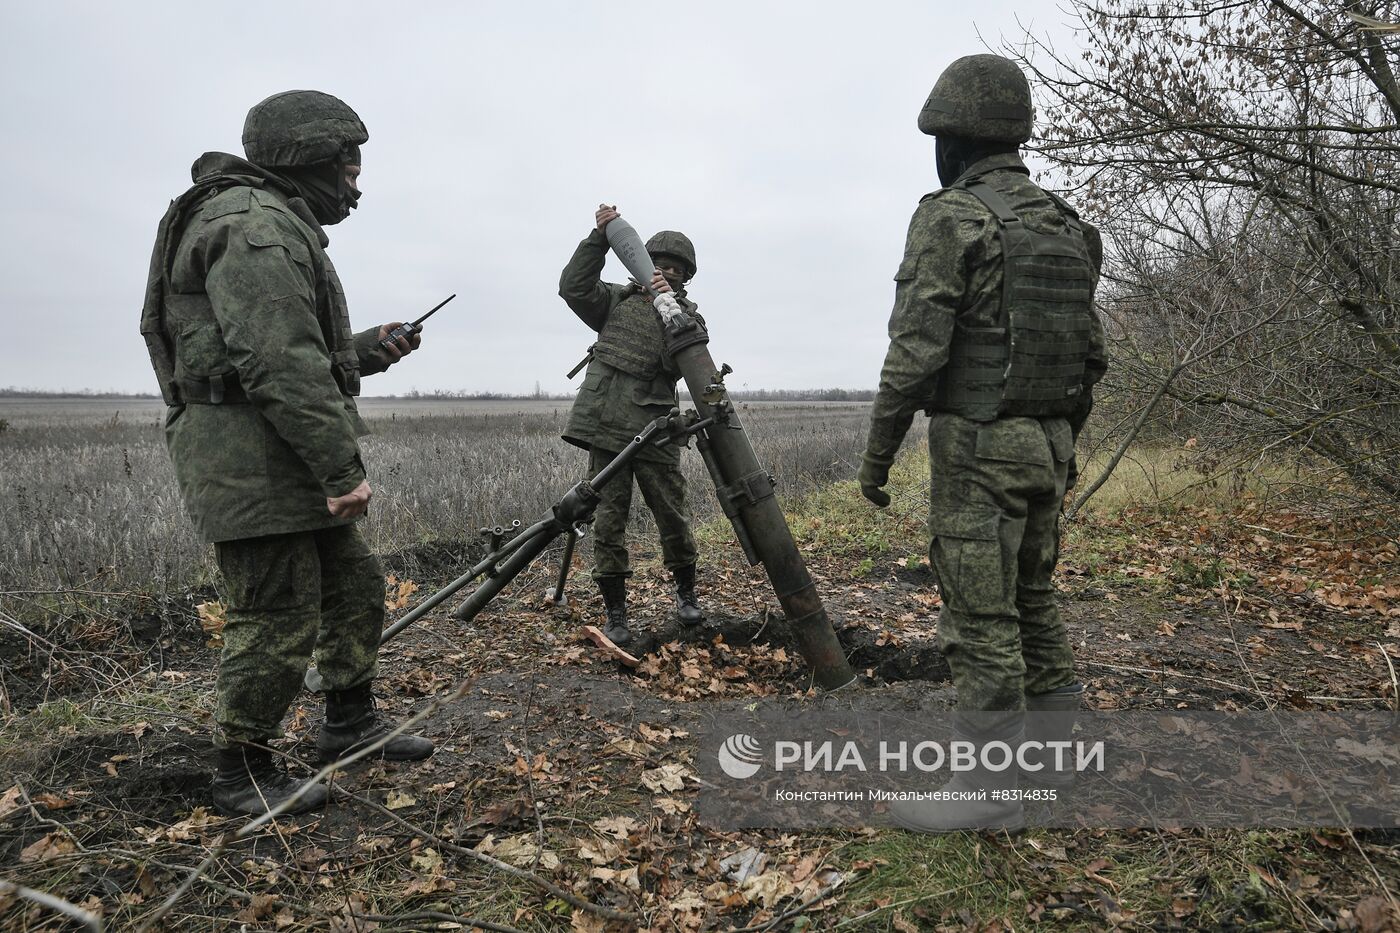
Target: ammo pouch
{"type": "Point", "coordinates": [1032, 364]}
{"type": "Point", "coordinates": [631, 339]}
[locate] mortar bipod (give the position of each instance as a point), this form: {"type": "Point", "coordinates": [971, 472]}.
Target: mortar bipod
{"type": "Point", "coordinates": [505, 562]}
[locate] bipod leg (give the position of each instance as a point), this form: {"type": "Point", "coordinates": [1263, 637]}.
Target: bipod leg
{"type": "Point", "coordinates": [507, 561]}
{"type": "Point", "coordinates": [558, 597]}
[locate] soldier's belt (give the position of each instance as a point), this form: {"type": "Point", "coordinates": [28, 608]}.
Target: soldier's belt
{"type": "Point", "coordinates": [223, 389]}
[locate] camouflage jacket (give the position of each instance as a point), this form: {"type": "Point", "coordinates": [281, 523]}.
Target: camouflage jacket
{"type": "Point", "coordinates": [631, 380]}
{"type": "Point", "coordinates": [952, 271]}
{"type": "Point", "coordinates": [251, 301]}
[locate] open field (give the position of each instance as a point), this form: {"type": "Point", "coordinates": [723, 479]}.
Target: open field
{"type": "Point", "coordinates": [91, 499]}
{"type": "Point", "coordinates": [1179, 590]}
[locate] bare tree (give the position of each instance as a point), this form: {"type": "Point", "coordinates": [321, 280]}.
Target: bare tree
{"type": "Point", "coordinates": [1241, 159]}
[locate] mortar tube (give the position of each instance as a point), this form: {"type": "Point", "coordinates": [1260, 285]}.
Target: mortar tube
{"type": "Point", "coordinates": [735, 521]}
{"type": "Point", "coordinates": [743, 477]}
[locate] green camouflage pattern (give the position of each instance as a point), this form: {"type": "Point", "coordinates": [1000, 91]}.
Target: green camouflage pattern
{"type": "Point", "coordinates": [996, 486]}
{"type": "Point", "coordinates": [1032, 362]}
{"type": "Point", "coordinates": [950, 278]}
{"type": "Point", "coordinates": [994, 511]}
{"type": "Point", "coordinates": [288, 598]}
{"type": "Point", "coordinates": [631, 380]}
{"type": "Point", "coordinates": [673, 243]}
{"type": "Point", "coordinates": [300, 128]}
{"type": "Point", "coordinates": [633, 340]}
{"type": "Point", "coordinates": [664, 491]}
{"type": "Point", "coordinates": [980, 97]}
{"type": "Point", "coordinates": [253, 300]}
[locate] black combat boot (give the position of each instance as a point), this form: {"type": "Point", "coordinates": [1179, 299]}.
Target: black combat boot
{"type": "Point", "coordinates": [999, 806]}
{"type": "Point", "coordinates": [1050, 718]}
{"type": "Point", "coordinates": [249, 783]}
{"type": "Point", "coordinates": [352, 722]}
{"type": "Point", "coordinates": [687, 609]}
{"type": "Point", "coordinates": [614, 590]}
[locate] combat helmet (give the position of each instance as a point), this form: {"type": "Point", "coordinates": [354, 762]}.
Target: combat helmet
{"type": "Point", "coordinates": [980, 97]}
{"type": "Point", "coordinates": [671, 243]}
{"type": "Point", "coordinates": [300, 128]}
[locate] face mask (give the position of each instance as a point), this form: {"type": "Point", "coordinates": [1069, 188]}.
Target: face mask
{"type": "Point", "coordinates": [323, 188]}
{"type": "Point", "coordinates": [955, 155]}
{"type": "Point", "coordinates": [949, 165]}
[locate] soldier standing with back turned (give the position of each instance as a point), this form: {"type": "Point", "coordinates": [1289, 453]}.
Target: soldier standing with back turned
{"type": "Point", "coordinates": [250, 338]}
{"type": "Point", "coordinates": [994, 334]}
{"type": "Point", "coordinates": [631, 381]}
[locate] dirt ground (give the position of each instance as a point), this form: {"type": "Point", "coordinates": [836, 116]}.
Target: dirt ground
{"type": "Point", "coordinates": [577, 771]}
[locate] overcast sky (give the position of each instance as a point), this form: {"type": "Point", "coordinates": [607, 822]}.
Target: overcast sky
{"type": "Point", "coordinates": [780, 136]}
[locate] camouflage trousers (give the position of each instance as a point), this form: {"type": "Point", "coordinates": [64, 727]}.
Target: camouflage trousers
{"type": "Point", "coordinates": [663, 490]}
{"type": "Point", "coordinates": [290, 596]}
{"type": "Point", "coordinates": [997, 489]}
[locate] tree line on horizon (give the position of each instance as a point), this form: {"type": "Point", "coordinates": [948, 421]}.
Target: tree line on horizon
{"type": "Point", "coordinates": [744, 395]}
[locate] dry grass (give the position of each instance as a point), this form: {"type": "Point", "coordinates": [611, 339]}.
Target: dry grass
{"type": "Point", "coordinates": [92, 503]}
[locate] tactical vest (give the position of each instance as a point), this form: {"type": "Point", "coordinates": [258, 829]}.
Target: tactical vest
{"type": "Point", "coordinates": [1032, 363]}
{"type": "Point", "coordinates": [632, 338]}
{"type": "Point", "coordinates": [192, 365]}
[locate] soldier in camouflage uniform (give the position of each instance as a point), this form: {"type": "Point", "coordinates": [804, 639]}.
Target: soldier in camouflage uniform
{"type": "Point", "coordinates": [250, 338]}
{"type": "Point", "coordinates": [994, 335]}
{"type": "Point", "coordinates": [631, 381]}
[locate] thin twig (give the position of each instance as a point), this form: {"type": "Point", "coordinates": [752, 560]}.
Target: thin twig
{"type": "Point", "coordinates": [34, 812]}
{"type": "Point", "coordinates": [530, 776]}
{"type": "Point", "coordinates": [437, 916]}
{"type": "Point", "coordinates": [292, 800]}
{"type": "Point", "coordinates": [1307, 763]}
{"type": "Point", "coordinates": [1394, 684]}
{"type": "Point", "coordinates": [1166, 673]}
{"type": "Point", "coordinates": [791, 912]}
{"type": "Point", "coordinates": [851, 921]}
{"type": "Point", "coordinates": [1269, 702]}
{"type": "Point", "coordinates": [86, 917]}
{"type": "Point", "coordinates": [563, 894]}
{"type": "Point", "coordinates": [70, 591]}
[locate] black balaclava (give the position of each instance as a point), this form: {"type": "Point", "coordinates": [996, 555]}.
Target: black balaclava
{"type": "Point", "coordinates": [955, 154]}
{"type": "Point", "coordinates": [677, 282]}
{"type": "Point", "coordinates": [322, 186]}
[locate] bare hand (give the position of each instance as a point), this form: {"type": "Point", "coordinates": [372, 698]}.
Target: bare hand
{"type": "Point", "coordinates": [402, 346]}
{"type": "Point", "coordinates": [353, 504]}
{"type": "Point", "coordinates": [659, 283]}
{"type": "Point", "coordinates": [605, 214]}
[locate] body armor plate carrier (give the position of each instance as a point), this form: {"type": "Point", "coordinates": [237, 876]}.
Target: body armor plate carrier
{"type": "Point", "coordinates": [633, 339]}
{"type": "Point", "coordinates": [1032, 364]}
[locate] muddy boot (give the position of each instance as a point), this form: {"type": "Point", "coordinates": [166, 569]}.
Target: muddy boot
{"type": "Point", "coordinates": [352, 723]}
{"type": "Point", "coordinates": [249, 783]}
{"type": "Point", "coordinates": [687, 609]}
{"type": "Point", "coordinates": [1050, 718]}
{"type": "Point", "coordinates": [993, 812]}
{"type": "Point", "coordinates": [614, 590]}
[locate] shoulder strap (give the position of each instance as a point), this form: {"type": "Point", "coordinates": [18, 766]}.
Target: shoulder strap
{"type": "Point", "coordinates": [994, 202]}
